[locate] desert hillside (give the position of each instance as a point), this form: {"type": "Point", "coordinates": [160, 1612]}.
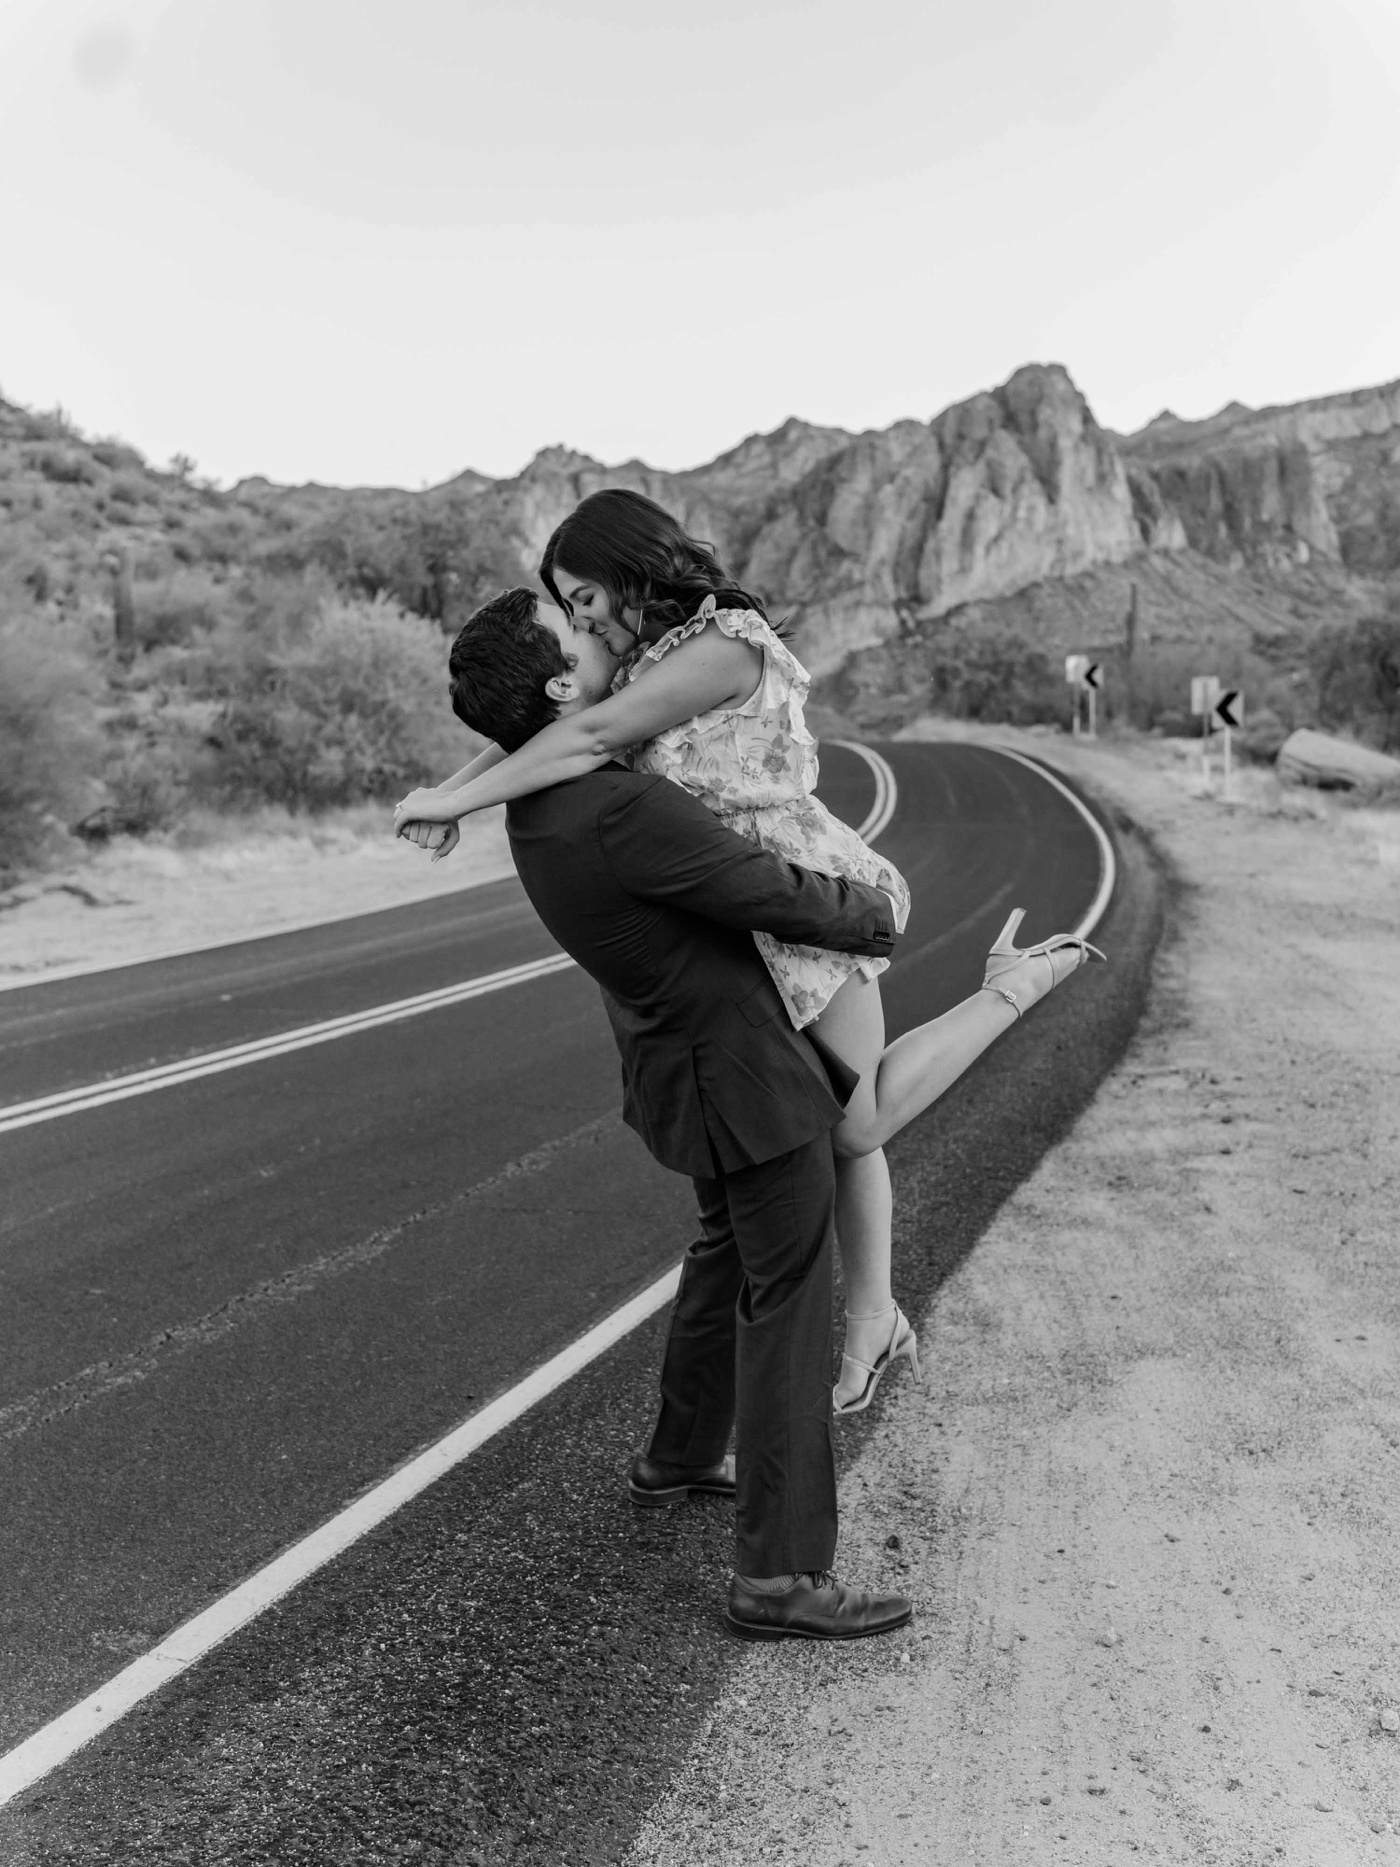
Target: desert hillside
{"type": "Point", "coordinates": [947, 563]}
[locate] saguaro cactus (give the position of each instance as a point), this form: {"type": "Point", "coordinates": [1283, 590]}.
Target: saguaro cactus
{"type": "Point", "coordinates": [118, 562]}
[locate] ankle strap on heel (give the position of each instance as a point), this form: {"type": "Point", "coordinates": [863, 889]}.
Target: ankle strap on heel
{"type": "Point", "coordinates": [1010, 997]}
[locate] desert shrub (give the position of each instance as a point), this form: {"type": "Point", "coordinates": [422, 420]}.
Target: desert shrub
{"type": "Point", "coordinates": [1263, 736]}
{"type": "Point", "coordinates": [147, 788]}
{"type": "Point", "coordinates": [222, 537]}
{"type": "Point", "coordinates": [440, 563]}
{"type": "Point", "coordinates": [127, 489]}
{"type": "Point", "coordinates": [1356, 667]}
{"type": "Point", "coordinates": [52, 424]}
{"type": "Point", "coordinates": [345, 702]}
{"type": "Point", "coordinates": [50, 744]}
{"type": "Point", "coordinates": [179, 607]}
{"type": "Point", "coordinates": [65, 466]}
{"type": "Point", "coordinates": [1276, 699]}
{"type": "Point", "coordinates": [116, 454]}
{"type": "Point", "coordinates": [995, 678]}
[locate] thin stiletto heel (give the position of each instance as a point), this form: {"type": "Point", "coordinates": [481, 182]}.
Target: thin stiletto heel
{"type": "Point", "coordinates": [903, 1343]}
{"type": "Point", "coordinates": [1005, 954]}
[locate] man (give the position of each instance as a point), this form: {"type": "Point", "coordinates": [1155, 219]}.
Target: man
{"type": "Point", "coordinates": [657, 900]}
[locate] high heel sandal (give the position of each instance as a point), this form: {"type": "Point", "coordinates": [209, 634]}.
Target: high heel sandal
{"type": "Point", "coordinates": [1004, 956]}
{"type": "Point", "coordinates": [903, 1342]}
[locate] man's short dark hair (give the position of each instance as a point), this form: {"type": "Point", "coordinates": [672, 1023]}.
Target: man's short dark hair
{"type": "Point", "coordinates": [500, 661]}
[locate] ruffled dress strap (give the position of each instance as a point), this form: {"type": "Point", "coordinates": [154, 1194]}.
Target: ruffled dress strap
{"type": "Point", "coordinates": [738, 624]}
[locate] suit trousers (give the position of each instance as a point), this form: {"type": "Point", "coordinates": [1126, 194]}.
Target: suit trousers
{"type": "Point", "coordinates": [750, 1347]}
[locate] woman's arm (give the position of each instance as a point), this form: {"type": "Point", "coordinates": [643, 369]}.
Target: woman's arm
{"type": "Point", "coordinates": [708, 670]}
{"type": "Point", "coordinates": [482, 762]}
{"type": "Point", "coordinates": [441, 838]}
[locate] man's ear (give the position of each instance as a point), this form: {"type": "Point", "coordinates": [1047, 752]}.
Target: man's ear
{"type": "Point", "coordinates": [560, 688]}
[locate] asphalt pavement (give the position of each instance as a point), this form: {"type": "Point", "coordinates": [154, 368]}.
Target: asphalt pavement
{"type": "Point", "coordinates": [228, 1306]}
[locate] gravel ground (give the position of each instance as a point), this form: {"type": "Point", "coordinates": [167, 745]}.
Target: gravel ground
{"type": "Point", "coordinates": [138, 898]}
{"type": "Point", "coordinates": [1147, 1498]}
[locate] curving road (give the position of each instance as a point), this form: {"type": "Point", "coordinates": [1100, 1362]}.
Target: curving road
{"type": "Point", "coordinates": [230, 1303]}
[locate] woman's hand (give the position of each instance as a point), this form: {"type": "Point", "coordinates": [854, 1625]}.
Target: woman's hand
{"type": "Point", "coordinates": [425, 807]}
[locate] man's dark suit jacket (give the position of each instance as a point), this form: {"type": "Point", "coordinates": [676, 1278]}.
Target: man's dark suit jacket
{"type": "Point", "coordinates": [654, 897]}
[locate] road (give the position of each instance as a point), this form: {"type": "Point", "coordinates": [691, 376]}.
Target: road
{"type": "Point", "coordinates": [230, 1305]}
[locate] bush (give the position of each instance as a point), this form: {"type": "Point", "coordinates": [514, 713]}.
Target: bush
{"type": "Point", "coordinates": [180, 607]}
{"type": "Point", "coordinates": [65, 466]}
{"type": "Point", "coordinates": [116, 454]}
{"type": "Point", "coordinates": [345, 703]}
{"type": "Point", "coordinates": [1357, 670]}
{"type": "Point", "coordinates": [50, 745]}
{"type": "Point", "coordinates": [127, 489]}
{"type": "Point", "coordinates": [995, 678]}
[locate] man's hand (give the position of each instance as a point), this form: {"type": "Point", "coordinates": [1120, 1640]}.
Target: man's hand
{"type": "Point", "coordinates": [440, 838]}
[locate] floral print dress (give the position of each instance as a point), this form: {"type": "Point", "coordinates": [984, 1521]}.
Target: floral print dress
{"type": "Point", "coordinates": [755, 766]}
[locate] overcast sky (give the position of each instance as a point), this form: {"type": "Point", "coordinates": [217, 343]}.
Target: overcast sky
{"type": "Point", "coordinates": [383, 240]}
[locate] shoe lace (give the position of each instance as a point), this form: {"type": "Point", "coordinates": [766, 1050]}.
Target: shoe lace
{"type": "Point", "coordinates": [823, 1578]}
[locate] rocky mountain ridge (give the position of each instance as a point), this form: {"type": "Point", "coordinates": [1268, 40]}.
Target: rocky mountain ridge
{"type": "Point", "coordinates": [866, 538]}
{"type": "Point", "coordinates": [863, 540]}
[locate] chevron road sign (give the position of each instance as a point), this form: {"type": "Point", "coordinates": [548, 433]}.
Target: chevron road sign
{"type": "Point", "coordinates": [1086, 677]}
{"type": "Point", "coordinates": [1227, 712]}
{"type": "Point", "coordinates": [1081, 672]}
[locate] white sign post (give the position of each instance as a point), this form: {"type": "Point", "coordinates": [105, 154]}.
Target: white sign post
{"type": "Point", "coordinates": [1074, 674]}
{"type": "Point", "coordinates": [1205, 691]}
{"type": "Point", "coordinates": [1084, 676]}
{"type": "Point", "coordinates": [1228, 713]}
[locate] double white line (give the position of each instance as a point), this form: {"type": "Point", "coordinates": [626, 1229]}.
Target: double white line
{"type": "Point", "coordinates": [886, 789]}
{"type": "Point", "coordinates": [213, 1062]}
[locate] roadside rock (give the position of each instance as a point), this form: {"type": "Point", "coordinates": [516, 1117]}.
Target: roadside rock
{"type": "Point", "coordinates": [1339, 764]}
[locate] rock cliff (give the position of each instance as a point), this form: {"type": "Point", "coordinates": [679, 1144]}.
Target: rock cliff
{"type": "Point", "coordinates": [864, 539]}
{"type": "Point", "coordinates": [858, 536]}
{"type": "Point", "coordinates": [1277, 486]}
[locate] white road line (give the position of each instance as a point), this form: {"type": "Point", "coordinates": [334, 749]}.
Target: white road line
{"type": "Point", "coordinates": [213, 1062]}
{"type": "Point", "coordinates": [55, 1743]}
{"type": "Point", "coordinates": [1108, 867]}
{"type": "Point", "coordinates": [886, 789]}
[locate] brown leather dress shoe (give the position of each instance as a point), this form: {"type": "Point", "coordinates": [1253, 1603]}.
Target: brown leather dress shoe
{"type": "Point", "coordinates": [816, 1607]}
{"type": "Point", "coordinates": [651, 1483]}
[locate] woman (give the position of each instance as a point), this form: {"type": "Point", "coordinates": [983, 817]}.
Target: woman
{"type": "Point", "coordinates": [710, 696]}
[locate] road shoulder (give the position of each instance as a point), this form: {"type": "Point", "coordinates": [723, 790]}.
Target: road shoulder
{"type": "Point", "coordinates": [147, 899]}
{"type": "Point", "coordinates": [1146, 1498]}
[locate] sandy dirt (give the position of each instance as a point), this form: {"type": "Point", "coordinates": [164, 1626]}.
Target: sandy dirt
{"type": "Point", "coordinates": [1147, 1498]}
{"type": "Point", "coordinates": [135, 899]}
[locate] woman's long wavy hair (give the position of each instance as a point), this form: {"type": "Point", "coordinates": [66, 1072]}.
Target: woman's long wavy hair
{"type": "Point", "coordinates": [643, 558]}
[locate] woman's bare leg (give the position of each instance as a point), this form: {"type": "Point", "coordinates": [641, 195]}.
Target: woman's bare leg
{"type": "Point", "coordinates": [864, 1221]}
{"type": "Point", "coordinates": [897, 1082]}
{"type": "Point", "coordinates": [864, 1205]}
{"type": "Point", "coordinates": [915, 1069]}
